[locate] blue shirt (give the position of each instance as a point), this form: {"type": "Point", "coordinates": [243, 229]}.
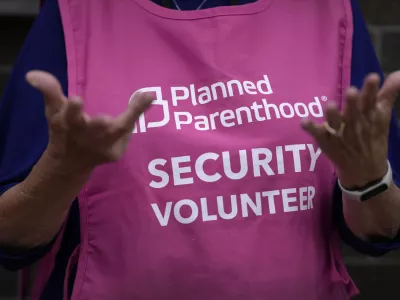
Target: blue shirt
{"type": "Point", "coordinates": [24, 136]}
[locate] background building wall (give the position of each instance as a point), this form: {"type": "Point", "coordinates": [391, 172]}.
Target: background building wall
{"type": "Point", "coordinates": [383, 17]}
{"type": "Point", "coordinates": [376, 278]}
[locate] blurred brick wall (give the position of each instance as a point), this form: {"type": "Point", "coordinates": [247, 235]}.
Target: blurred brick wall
{"type": "Point", "coordinates": [376, 278]}
{"type": "Point", "coordinates": [383, 18]}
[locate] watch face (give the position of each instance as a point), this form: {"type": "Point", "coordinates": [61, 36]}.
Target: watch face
{"type": "Point", "coordinates": [376, 191]}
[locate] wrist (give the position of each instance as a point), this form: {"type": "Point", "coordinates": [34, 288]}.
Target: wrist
{"type": "Point", "coordinates": [63, 165]}
{"type": "Point", "coordinates": [361, 179]}
{"type": "Point", "coordinates": [51, 175]}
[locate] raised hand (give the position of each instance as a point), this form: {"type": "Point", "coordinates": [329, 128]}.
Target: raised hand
{"type": "Point", "coordinates": [356, 139]}
{"type": "Point", "coordinates": [79, 141]}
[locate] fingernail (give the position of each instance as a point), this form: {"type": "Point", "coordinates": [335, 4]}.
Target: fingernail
{"type": "Point", "coordinates": [150, 94]}
{"type": "Point", "coordinates": [32, 81]}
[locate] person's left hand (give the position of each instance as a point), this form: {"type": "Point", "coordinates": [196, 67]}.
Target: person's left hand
{"type": "Point", "coordinates": [356, 139]}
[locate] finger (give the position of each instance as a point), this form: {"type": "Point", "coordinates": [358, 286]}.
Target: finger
{"type": "Point", "coordinates": [50, 87]}
{"type": "Point", "coordinates": [73, 114]}
{"type": "Point", "coordinates": [351, 113]}
{"type": "Point", "coordinates": [316, 131]}
{"type": "Point", "coordinates": [369, 93]}
{"type": "Point", "coordinates": [102, 127]}
{"type": "Point", "coordinates": [138, 105]}
{"type": "Point", "coordinates": [390, 90]}
{"type": "Point", "coordinates": [101, 123]}
{"type": "Point", "coordinates": [333, 117]}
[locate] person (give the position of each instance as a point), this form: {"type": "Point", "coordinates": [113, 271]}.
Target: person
{"type": "Point", "coordinates": [217, 151]}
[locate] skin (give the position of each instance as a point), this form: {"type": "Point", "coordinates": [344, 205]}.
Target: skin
{"type": "Point", "coordinates": [360, 154]}
{"type": "Point", "coordinates": [32, 212]}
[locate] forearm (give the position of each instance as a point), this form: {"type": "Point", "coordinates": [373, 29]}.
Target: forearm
{"type": "Point", "coordinates": [31, 213]}
{"type": "Point", "coordinates": [378, 216]}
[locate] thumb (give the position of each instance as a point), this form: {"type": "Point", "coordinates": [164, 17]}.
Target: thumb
{"type": "Point", "coordinates": [50, 87]}
{"type": "Point", "coordinates": [138, 105]}
{"type": "Point", "coordinates": [390, 90]}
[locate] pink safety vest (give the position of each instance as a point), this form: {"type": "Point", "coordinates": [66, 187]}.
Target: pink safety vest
{"type": "Point", "coordinates": [221, 195]}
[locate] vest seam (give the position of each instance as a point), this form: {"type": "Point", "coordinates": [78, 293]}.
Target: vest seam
{"type": "Point", "coordinates": [74, 87]}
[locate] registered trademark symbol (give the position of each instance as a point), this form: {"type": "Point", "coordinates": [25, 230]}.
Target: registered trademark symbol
{"type": "Point", "coordinates": [324, 98]}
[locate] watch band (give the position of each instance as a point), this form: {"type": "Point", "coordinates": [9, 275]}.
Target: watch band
{"type": "Point", "coordinates": [373, 190]}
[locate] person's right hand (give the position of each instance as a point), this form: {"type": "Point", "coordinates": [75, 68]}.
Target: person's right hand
{"type": "Point", "coordinates": [76, 140]}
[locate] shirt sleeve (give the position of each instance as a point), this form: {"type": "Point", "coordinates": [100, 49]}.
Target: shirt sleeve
{"type": "Point", "coordinates": [364, 61]}
{"type": "Point", "coordinates": [23, 126]}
